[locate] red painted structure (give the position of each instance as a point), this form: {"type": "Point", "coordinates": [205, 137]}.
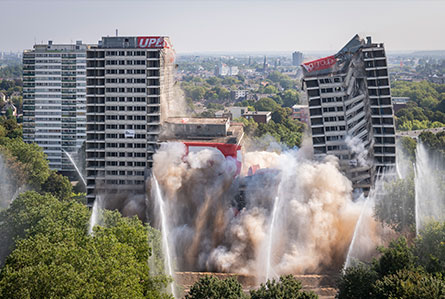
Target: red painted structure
{"type": "Point", "coordinates": [228, 150]}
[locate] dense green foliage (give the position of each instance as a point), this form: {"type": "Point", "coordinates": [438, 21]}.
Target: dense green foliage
{"type": "Point", "coordinates": [408, 147]}
{"type": "Point", "coordinates": [402, 271]}
{"type": "Point", "coordinates": [435, 143]}
{"type": "Point", "coordinates": [357, 282]}
{"type": "Point", "coordinates": [57, 185]}
{"type": "Point", "coordinates": [286, 288]}
{"type": "Point", "coordinates": [212, 287]}
{"type": "Point", "coordinates": [54, 257]}
{"type": "Point", "coordinates": [266, 104]}
{"type": "Point", "coordinates": [427, 109]}
{"type": "Point", "coordinates": [11, 70]}
{"type": "Point", "coordinates": [45, 251]}
{"type": "Point", "coordinates": [9, 86]}
{"type": "Point", "coordinates": [287, 131]}
{"type": "Point", "coordinates": [397, 256]}
{"type": "Point", "coordinates": [31, 158]}
{"type": "Point", "coordinates": [27, 163]}
{"type": "Point", "coordinates": [413, 284]}
{"type": "Point", "coordinates": [430, 248]}
{"type": "Point", "coordinates": [9, 128]}
{"type": "Point", "coordinates": [217, 90]}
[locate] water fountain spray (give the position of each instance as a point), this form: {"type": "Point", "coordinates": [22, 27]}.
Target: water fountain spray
{"type": "Point", "coordinates": [75, 166]}
{"type": "Point", "coordinates": [96, 214]}
{"type": "Point", "coordinates": [429, 198]}
{"type": "Point", "coordinates": [348, 261]}
{"type": "Point", "coordinates": [164, 231]}
{"type": "Point", "coordinates": [270, 238]}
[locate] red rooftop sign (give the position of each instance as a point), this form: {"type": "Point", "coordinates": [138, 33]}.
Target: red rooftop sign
{"type": "Point", "coordinates": [156, 42]}
{"type": "Point", "coordinates": [320, 64]}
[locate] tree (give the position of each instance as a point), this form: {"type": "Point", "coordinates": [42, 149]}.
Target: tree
{"type": "Point", "coordinates": [397, 256]}
{"type": "Point", "coordinates": [52, 247]}
{"type": "Point", "coordinates": [208, 113]}
{"type": "Point", "coordinates": [266, 104]}
{"type": "Point", "coordinates": [410, 284]}
{"type": "Point", "coordinates": [24, 212]}
{"type": "Point", "coordinates": [277, 99]}
{"type": "Point", "coordinates": [357, 282]}
{"type": "Point", "coordinates": [214, 81]}
{"type": "Point", "coordinates": [270, 89]}
{"type": "Point", "coordinates": [281, 115]}
{"type": "Point", "coordinates": [408, 147]}
{"type": "Point", "coordinates": [58, 185]}
{"type": "Point", "coordinates": [31, 157]}
{"type": "Point", "coordinates": [290, 97]}
{"type": "Point", "coordinates": [9, 113]}
{"type": "Point", "coordinates": [401, 271]}
{"type": "Point", "coordinates": [212, 287]}
{"type": "Point", "coordinates": [13, 130]}
{"type": "Point", "coordinates": [215, 106]}
{"type": "Point", "coordinates": [197, 93]}
{"type": "Point", "coordinates": [3, 131]}
{"type": "Point", "coordinates": [286, 288]}
{"type": "Point", "coordinates": [275, 76]}
{"type": "Point", "coordinates": [250, 126]}
{"type": "Point", "coordinates": [434, 142]}
{"type": "Point", "coordinates": [429, 102]}
{"type": "Point", "coordinates": [430, 248]}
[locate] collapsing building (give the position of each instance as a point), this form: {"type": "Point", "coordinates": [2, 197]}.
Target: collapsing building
{"type": "Point", "coordinates": [351, 112]}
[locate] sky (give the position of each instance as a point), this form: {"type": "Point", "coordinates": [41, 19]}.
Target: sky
{"type": "Point", "coordinates": [198, 26]}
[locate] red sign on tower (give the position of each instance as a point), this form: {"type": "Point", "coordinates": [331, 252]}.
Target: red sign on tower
{"type": "Point", "coordinates": [320, 64]}
{"type": "Point", "coordinates": [157, 42]}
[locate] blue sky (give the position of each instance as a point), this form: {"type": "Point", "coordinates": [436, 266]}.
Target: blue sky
{"type": "Point", "coordinates": [214, 25]}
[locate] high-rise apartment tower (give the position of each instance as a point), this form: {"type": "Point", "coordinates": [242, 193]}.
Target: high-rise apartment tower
{"type": "Point", "coordinates": [351, 112]}
{"type": "Point", "coordinates": [54, 102]}
{"type": "Point", "coordinates": [297, 58]}
{"type": "Point", "coordinates": [129, 87]}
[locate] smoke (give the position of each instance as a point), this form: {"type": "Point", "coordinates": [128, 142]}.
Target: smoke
{"type": "Point", "coordinates": [172, 97]}
{"type": "Point", "coordinates": [177, 105]}
{"type": "Point", "coordinates": [357, 147]}
{"type": "Point", "coordinates": [11, 178]}
{"type": "Point", "coordinates": [221, 223]}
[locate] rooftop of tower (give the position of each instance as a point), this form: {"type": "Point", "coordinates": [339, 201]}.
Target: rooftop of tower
{"type": "Point", "coordinates": [137, 42]}
{"type": "Point", "coordinates": [336, 62]}
{"type": "Point", "coordinates": [187, 129]}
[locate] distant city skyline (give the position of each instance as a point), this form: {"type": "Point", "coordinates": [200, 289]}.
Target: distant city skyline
{"type": "Point", "coordinates": [227, 26]}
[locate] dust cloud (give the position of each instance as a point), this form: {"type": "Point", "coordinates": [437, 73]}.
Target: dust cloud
{"type": "Point", "coordinates": [220, 222]}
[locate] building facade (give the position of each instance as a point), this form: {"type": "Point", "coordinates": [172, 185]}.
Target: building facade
{"type": "Point", "coordinates": [223, 69]}
{"type": "Point", "coordinates": [129, 88]}
{"type": "Point", "coordinates": [297, 58]}
{"type": "Point", "coordinates": [351, 112]}
{"type": "Point", "coordinates": [258, 116]}
{"type": "Point", "coordinates": [239, 95]}
{"type": "Point", "coordinates": [301, 113]}
{"type": "Point", "coordinates": [54, 100]}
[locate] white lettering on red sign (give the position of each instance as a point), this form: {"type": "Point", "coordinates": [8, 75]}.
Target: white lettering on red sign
{"type": "Point", "coordinates": [320, 64]}
{"type": "Point", "coordinates": [152, 42]}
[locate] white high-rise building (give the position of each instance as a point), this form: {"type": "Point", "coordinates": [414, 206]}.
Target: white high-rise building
{"type": "Point", "coordinates": [351, 112]}
{"type": "Point", "coordinates": [54, 100]}
{"type": "Point", "coordinates": [129, 88]}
